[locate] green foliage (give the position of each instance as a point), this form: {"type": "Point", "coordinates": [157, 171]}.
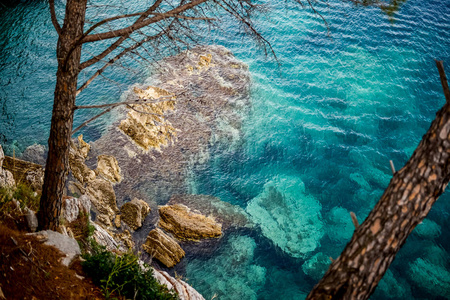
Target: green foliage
{"type": "Point", "coordinates": [123, 275]}
{"type": "Point", "coordinates": [24, 195]}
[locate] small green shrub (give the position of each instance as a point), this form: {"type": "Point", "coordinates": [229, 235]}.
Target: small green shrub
{"type": "Point", "coordinates": [122, 275]}
{"type": "Point", "coordinates": [24, 195]}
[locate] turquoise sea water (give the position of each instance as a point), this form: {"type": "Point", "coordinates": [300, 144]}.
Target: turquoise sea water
{"type": "Point", "coordinates": [321, 132]}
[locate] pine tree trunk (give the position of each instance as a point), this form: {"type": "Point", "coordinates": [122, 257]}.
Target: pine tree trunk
{"type": "Point", "coordinates": [56, 169]}
{"type": "Point", "coordinates": [405, 203]}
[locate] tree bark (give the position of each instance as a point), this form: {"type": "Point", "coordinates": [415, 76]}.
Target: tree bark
{"type": "Point", "coordinates": [56, 169]}
{"type": "Point", "coordinates": [405, 203]}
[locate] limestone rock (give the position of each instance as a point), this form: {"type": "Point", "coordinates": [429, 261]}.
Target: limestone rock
{"type": "Point", "coordinates": [78, 168]}
{"type": "Point", "coordinates": [164, 248]}
{"type": "Point", "coordinates": [2, 157]}
{"type": "Point", "coordinates": [185, 224]}
{"type": "Point", "coordinates": [184, 290]}
{"type": "Point", "coordinates": [134, 212]}
{"type": "Point", "coordinates": [117, 221]}
{"type": "Point", "coordinates": [70, 209]}
{"type": "Point", "coordinates": [82, 147]}
{"type": "Point", "coordinates": [104, 238]}
{"type": "Point", "coordinates": [6, 179]}
{"type": "Point", "coordinates": [103, 197]}
{"type": "Point", "coordinates": [36, 154]}
{"type": "Point", "coordinates": [124, 238]}
{"type": "Point", "coordinates": [227, 214]}
{"type": "Point", "coordinates": [108, 168]}
{"type": "Point", "coordinates": [63, 243]}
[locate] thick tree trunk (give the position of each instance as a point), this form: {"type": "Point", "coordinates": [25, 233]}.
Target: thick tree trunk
{"type": "Point", "coordinates": [405, 203]}
{"type": "Point", "coordinates": [62, 116]}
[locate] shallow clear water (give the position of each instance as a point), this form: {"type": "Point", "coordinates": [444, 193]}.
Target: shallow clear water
{"type": "Point", "coordinates": [329, 119]}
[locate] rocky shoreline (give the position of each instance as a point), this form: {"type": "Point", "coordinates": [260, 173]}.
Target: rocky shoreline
{"type": "Point", "coordinates": [127, 177]}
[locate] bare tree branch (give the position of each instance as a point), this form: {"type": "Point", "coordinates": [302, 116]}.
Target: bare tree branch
{"type": "Point", "coordinates": [140, 23]}
{"type": "Point", "coordinates": [53, 17]}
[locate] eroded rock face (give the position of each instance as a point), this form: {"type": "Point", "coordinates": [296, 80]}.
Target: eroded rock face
{"type": "Point", "coordinates": [186, 224]}
{"type": "Point", "coordinates": [36, 154]}
{"type": "Point", "coordinates": [108, 168]}
{"type": "Point", "coordinates": [229, 215]}
{"type": "Point", "coordinates": [211, 90]}
{"type": "Point", "coordinates": [103, 197]}
{"type": "Point", "coordinates": [164, 248]}
{"type": "Point", "coordinates": [133, 213]}
{"type": "Point", "coordinates": [73, 206]}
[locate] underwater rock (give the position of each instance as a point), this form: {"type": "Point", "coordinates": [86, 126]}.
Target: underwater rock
{"type": "Point", "coordinates": [227, 214]}
{"type": "Point", "coordinates": [391, 288]}
{"type": "Point", "coordinates": [133, 213]}
{"type": "Point", "coordinates": [288, 216]}
{"type": "Point", "coordinates": [316, 266]}
{"type": "Point", "coordinates": [164, 248]}
{"type": "Point", "coordinates": [339, 226]}
{"type": "Point", "coordinates": [186, 224]}
{"type": "Point", "coordinates": [233, 274]}
{"type": "Point", "coordinates": [428, 229]}
{"type": "Point", "coordinates": [435, 279]}
{"type": "Point", "coordinates": [208, 111]}
{"type": "Point", "coordinates": [108, 168]}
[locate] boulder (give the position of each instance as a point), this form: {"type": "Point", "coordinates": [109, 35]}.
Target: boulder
{"type": "Point", "coordinates": [63, 243]}
{"type": "Point", "coordinates": [133, 213]}
{"type": "Point", "coordinates": [164, 248]}
{"type": "Point", "coordinates": [36, 154]}
{"type": "Point", "coordinates": [32, 220]}
{"type": "Point", "coordinates": [229, 215]}
{"type": "Point", "coordinates": [186, 224]}
{"type": "Point", "coordinates": [70, 209]}
{"type": "Point", "coordinates": [105, 238]}
{"type": "Point", "coordinates": [108, 168]}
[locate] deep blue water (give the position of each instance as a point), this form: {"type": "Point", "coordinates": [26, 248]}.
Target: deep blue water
{"type": "Point", "coordinates": [329, 119]}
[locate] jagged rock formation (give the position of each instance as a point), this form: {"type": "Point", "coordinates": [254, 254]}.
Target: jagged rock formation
{"type": "Point", "coordinates": [211, 90]}
{"type": "Point", "coordinates": [133, 213]}
{"type": "Point", "coordinates": [36, 154]}
{"type": "Point", "coordinates": [185, 224]}
{"type": "Point", "coordinates": [108, 168]}
{"type": "Point", "coordinates": [164, 248]}
{"type": "Point", "coordinates": [227, 214]}
{"type": "Point", "coordinates": [99, 190]}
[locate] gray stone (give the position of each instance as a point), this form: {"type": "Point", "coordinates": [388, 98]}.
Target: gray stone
{"type": "Point", "coordinates": [32, 220]}
{"type": "Point", "coordinates": [6, 179]}
{"type": "Point", "coordinates": [2, 156]}
{"type": "Point", "coordinates": [63, 243]}
{"type": "Point", "coordinates": [35, 153]}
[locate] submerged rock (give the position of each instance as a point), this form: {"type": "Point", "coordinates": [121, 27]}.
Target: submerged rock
{"type": "Point", "coordinates": [288, 216]}
{"type": "Point", "coordinates": [435, 279]}
{"type": "Point", "coordinates": [133, 213]}
{"type": "Point", "coordinates": [233, 274]}
{"type": "Point", "coordinates": [164, 248]}
{"type": "Point", "coordinates": [186, 224]}
{"type": "Point", "coordinates": [229, 215]}
{"type": "Point", "coordinates": [211, 100]}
